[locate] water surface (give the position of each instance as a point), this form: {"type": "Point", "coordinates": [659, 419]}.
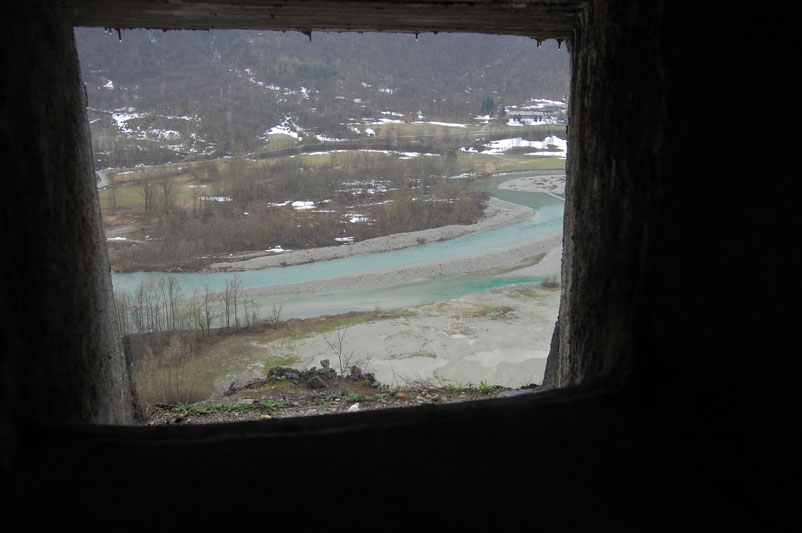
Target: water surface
{"type": "Point", "coordinates": [547, 221]}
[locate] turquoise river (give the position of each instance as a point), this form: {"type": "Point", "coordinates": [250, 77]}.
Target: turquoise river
{"type": "Point", "coordinates": [547, 221]}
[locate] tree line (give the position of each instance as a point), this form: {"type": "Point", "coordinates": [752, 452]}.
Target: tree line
{"type": "Point", "coordinates": [162, 307]}
{"type": "Point", "coordinates": [158, 312]}
{"type": "Point", "coordinates": [360, 195]}
{"type": "Point", "coordinates": [162, 328]}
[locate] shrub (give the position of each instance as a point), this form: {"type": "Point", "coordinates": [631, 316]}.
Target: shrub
{"type": "Point", "coordinates": [168, 379]}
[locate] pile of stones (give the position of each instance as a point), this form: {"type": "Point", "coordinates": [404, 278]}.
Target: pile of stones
{"type": "Point", "coordinates": [312, 378]}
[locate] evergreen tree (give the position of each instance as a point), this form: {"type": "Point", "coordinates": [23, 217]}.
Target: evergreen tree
{"type": "Point", "coordinates": [488, 106]}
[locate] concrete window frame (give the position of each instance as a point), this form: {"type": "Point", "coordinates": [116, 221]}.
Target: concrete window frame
{"type": "Point", "coordinates": [541, 20]}
{"type": "Point", "coordinates": [627, 412]}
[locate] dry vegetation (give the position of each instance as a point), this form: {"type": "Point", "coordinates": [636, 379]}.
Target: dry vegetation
{"type": "Point", "coordinates": [287, 204]}
{"type": "Point", "coordinates": [177, 355]}
{"type": "Point", "coordinates": [285, 399]}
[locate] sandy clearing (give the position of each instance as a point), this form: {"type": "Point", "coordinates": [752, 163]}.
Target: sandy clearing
{"type": "Point", "coordinates": [499, 337]}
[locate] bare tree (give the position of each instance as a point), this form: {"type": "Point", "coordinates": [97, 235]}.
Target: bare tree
{"type": "Point", "coordinates": [227, 304]}
{"type": "Point", "coordinates": [113, 187]}
{"type": "Point", "coordinates": [195, 313]}
{"type": "Point", "coordinates": [230, 300]}
{"type": "Point", "coordinates": [336, 343]}
{"type": "Point", "coordinates": [236, 283]}
{"type": "Point", "coordinates": [275, 315]}
{"type": "Point", "coordinates": [167, 193]}
{"type": "Point", "coordinates": [254, 311]}
{"type": "Point", "coordinates": [206, 304]}
{"type": "Point", "coordinates": [148, 198]}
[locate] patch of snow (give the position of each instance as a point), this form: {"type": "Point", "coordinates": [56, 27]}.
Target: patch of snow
{"type": "Point", "coordinates": [543, 102]}
{"type": "Point", "coordinates": [122, 116]}
{"type": "Point", "coordinates": [379, 122]}
{"type": "Point", "coordinates": [412, 155]}
{"type": "Point", "coordinates": [325, 152]}
{"type": "Point", "coordinates": [354, 218]}
{"type": "Point", "coordinates": [165, 135]}
{"type": "Point", "coordinates": [500, 146]}
{"type": "Point", "coordinates": [301, 205]}
{"type": "Point", "coordinates": [287, 127]}
{"type": "Point", "coordinates": [214, 198]}
{"type": "Point", "coordinates": [447, 124]}
{"type": "Point", "coordinates": [464, 175]}
{"type": "Point", "coordinates": [281, 130]}
{"type": "Point", "coordinates": [323, 138]}
{"type": "Point", "coordinates": [524, 122]}
{"type": "Point", "coordinates": [370, 132]}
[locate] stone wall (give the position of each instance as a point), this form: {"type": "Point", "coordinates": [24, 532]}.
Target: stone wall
{"type": "Point", "coordinates": [613, 191]}
{"type": "Point", "coordinates": [61, 364]}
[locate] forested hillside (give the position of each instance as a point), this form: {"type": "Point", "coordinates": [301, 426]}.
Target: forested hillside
{"type": "Point", "coordinates": [164, 96]}
{"type": "Point", "coordinates": [285, 142]}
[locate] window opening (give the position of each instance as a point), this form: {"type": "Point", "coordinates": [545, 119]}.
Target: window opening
{"type": "Point", "coordinates": [359, 207]}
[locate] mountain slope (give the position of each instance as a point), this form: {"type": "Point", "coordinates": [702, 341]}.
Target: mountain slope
{"type": "Point", "coordinates": [160, 96]}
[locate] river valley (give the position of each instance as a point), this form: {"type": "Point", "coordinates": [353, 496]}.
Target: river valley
{"type": "Point", "coordinates": [470, 309]}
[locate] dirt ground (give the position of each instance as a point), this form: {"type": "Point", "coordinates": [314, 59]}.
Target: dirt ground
{"type": "Point", "coordinates": [501, 336]}
{"type": "Point", "coordinates": [285, 399]}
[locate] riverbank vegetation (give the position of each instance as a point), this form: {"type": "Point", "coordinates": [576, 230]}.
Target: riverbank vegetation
{"type": "Point", "coordinates": [287, 204]}
{"type": "Point", "coordinates": [185, 216]}
{"type": "Point", "coordinates": [180, 344]}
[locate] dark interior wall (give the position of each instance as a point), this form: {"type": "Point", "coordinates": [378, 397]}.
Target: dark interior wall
{"type": "Point", "coordinates": [60, 361]}
{"type": "Point", "coordinates": [613, 190]}
{"type": "Point", "coordinates": [676, 330]}
{"type": "Point", "coordinates": [672, 213]}
{"type": "Point", "coordinates": [723, 280]}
